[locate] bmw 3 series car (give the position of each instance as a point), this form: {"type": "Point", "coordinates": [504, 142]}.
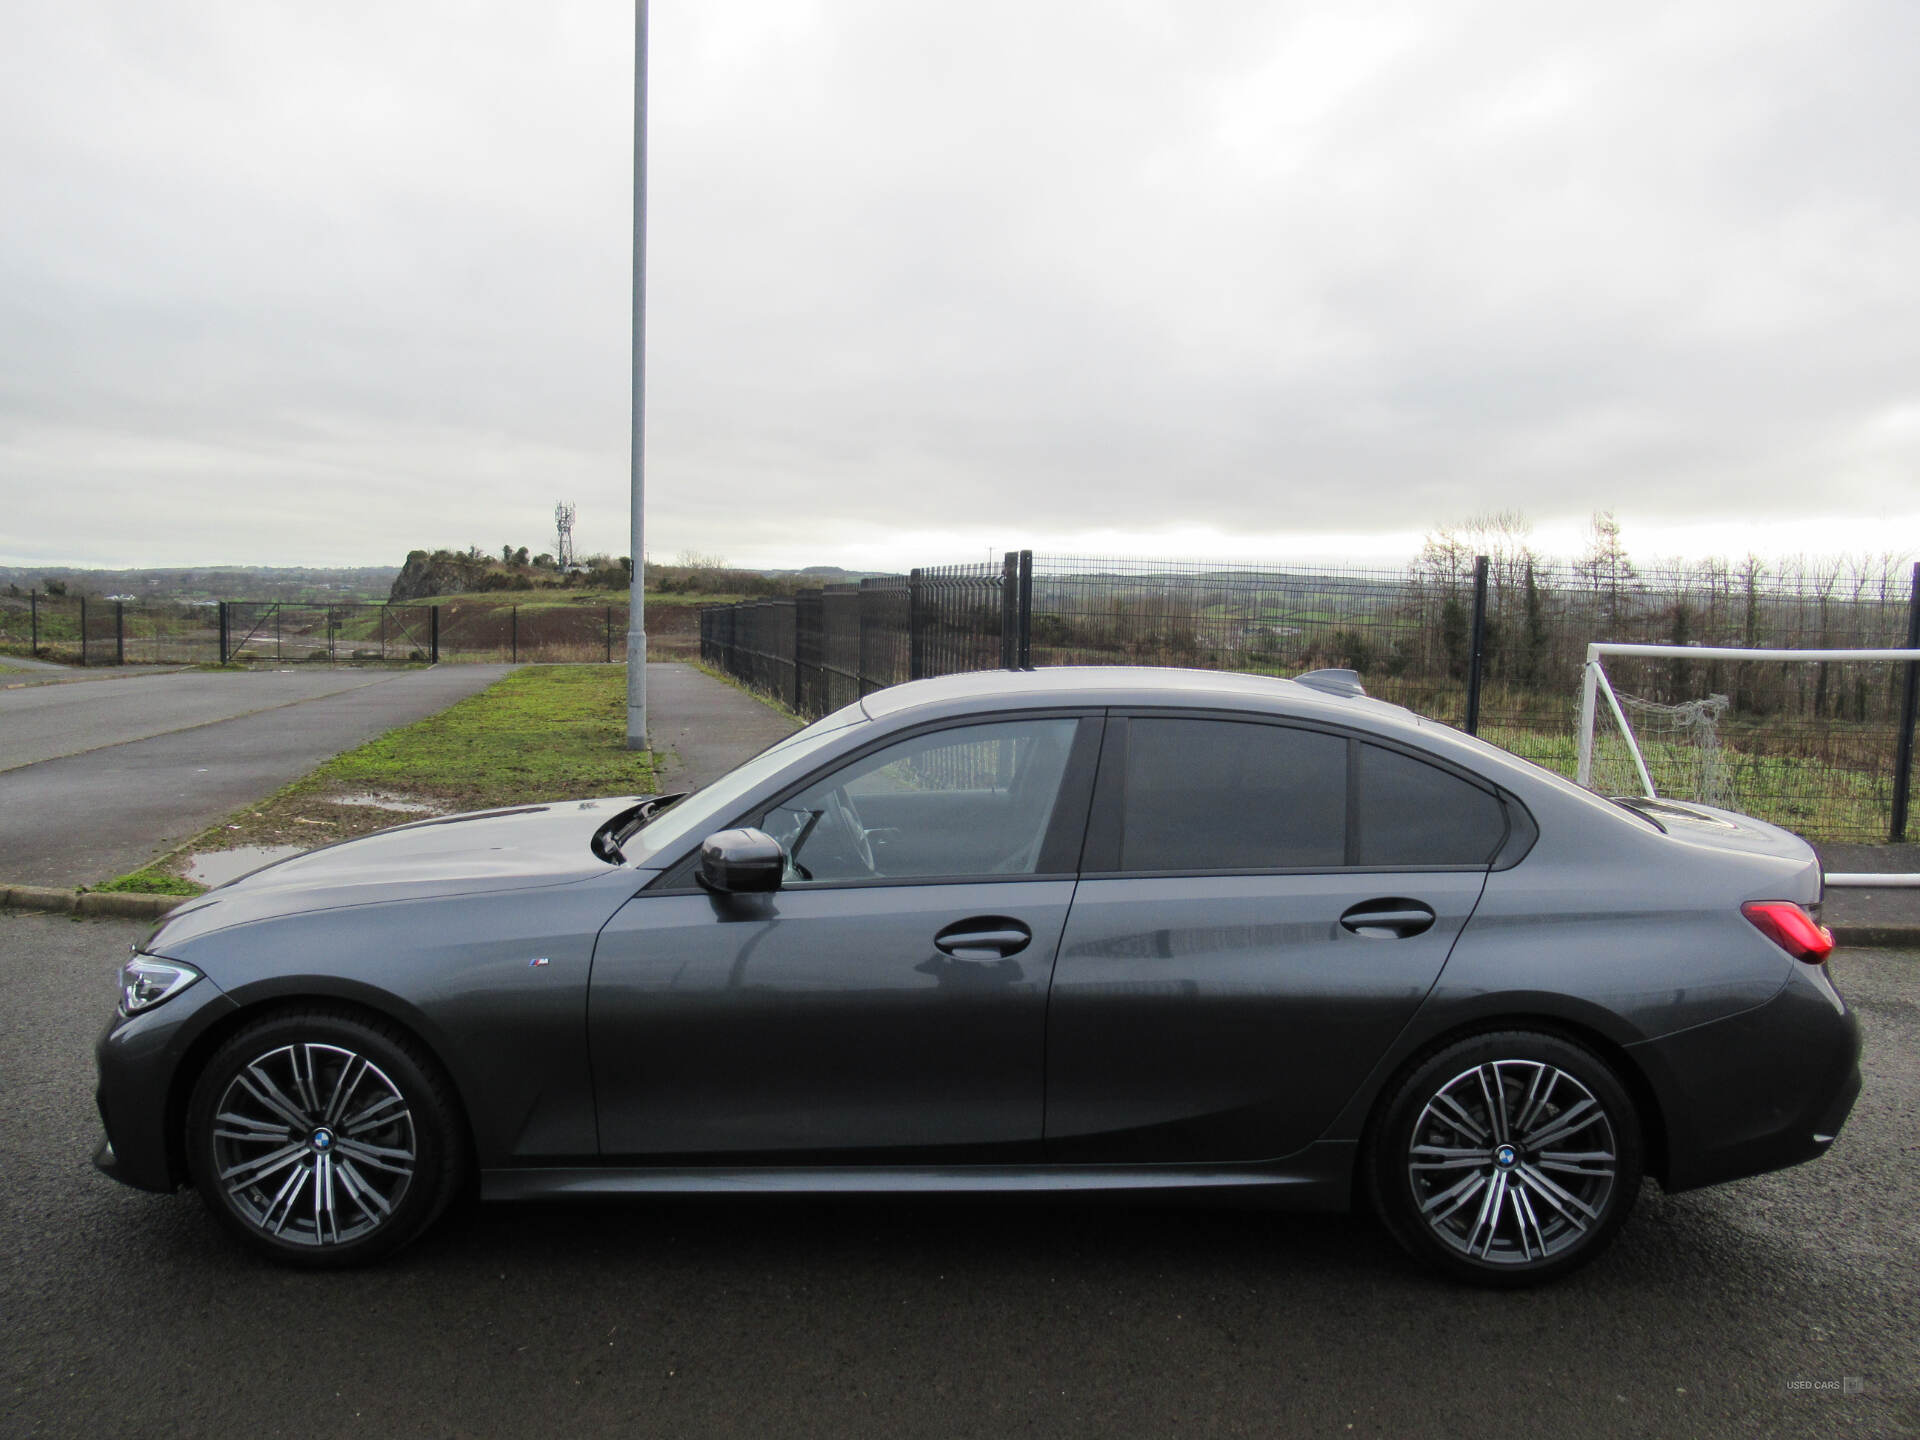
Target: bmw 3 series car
{"type": "Point", "coordinates": [1150, 932]}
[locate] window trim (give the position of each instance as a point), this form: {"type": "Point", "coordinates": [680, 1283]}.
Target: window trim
{"type": "Point", "coordinates": [1106, 819]}
{"type": "Point", "coordinates": [1066, 831]}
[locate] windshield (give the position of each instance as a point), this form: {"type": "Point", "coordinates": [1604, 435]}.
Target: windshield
{"type": "Point", "coordinates": [706, 810]}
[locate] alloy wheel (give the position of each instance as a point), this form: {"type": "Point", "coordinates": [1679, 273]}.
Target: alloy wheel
{"type": "Point", "coordinates": [313, 1144]}
{"type": "Point", "coordinates": [1513, 1162]}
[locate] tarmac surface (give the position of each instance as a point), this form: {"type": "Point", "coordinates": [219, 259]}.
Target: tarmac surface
{"type": "Point", "coordinates": [1744, 1310]}
{"type": "Point", "coordinates": [709, 725]}
{"type": "Point", "coordinates": [18, 667]}
{"type": "Point", "coordinates": [98, 778]}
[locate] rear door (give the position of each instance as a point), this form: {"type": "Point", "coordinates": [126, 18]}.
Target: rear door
{"type": "Point", "coordinates": [1263, 908]}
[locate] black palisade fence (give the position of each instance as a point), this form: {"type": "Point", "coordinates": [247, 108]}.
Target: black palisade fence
{"type": "Point", "coordinates": [822, 649]}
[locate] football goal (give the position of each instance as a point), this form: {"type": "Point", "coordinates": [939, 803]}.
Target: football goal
{"type": "Point", "coordinates": [1648, 747]}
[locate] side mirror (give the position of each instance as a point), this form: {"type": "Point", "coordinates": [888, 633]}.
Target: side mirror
{"type": "Point", "coordinates": [741, 862]}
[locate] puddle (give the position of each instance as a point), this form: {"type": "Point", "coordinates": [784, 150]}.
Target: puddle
{"type": "Point", "coordinates": [375, 800]}
{"type": "Point", "coordinates": [217, 867]}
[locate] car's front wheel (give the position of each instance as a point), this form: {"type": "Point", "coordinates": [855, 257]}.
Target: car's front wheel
{"type": "Point", "coordinates": [1507, 1159]}
{"type": "Point", "coordinates": [322, 1138]}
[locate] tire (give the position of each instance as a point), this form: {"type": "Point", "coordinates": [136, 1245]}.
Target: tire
{"type": "Point", "coordinates": [322, 1138]}
{"type": "Point", "coordinates": [1456, 1166]}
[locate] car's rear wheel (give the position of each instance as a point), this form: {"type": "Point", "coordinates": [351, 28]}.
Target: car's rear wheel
{"type": "Point", "coordinates": [1507, 1159]}
{"type": "Point", "coordinates": [322, 1138]}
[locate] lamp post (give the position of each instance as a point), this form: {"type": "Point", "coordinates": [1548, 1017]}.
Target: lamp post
{"type": "Point", "coordinates": [637, 600]}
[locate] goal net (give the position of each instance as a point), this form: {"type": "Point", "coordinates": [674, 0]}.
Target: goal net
{"type": "Point", "coordinates": [1808, 769]}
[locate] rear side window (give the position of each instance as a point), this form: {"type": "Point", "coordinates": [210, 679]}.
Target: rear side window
{"type": "Point", "coordinates": [1407, 812]}
{"type": "Point", "coordinates": [1223, 795]}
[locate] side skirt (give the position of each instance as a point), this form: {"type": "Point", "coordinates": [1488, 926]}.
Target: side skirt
{"type": "Point", "coordinates": [1318, 1178]}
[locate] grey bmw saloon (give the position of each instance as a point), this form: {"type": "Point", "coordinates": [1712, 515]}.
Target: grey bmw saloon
{"type": "Point", "coordinates": [1155, 932]}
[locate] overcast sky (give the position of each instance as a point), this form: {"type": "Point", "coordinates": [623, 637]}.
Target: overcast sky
{"type": "Point", "coordinates": [321, 283]}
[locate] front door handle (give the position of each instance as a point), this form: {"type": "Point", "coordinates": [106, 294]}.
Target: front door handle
{"type": "Point", "coordinates": [984, 937]}
{"type": "Point", "coordinates": [1392, 918]}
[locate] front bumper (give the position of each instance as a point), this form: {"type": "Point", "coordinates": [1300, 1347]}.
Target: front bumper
{"type": "Point", "coordinates": [1757, 1091]}
{"type": "Point", "coordinates": [140, 1095]}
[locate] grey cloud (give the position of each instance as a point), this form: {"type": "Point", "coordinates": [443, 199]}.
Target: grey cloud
{"type": "Point", "coordinates": [297, 284]}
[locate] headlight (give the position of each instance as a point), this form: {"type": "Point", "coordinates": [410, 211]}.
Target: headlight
{"type": "Point", "coordinates": [146, 981]}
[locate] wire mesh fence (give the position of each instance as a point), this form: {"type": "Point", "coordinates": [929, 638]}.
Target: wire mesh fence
{"type": "Point", "coordinates": [1261, 620]}
{"type": "Point", "coordinates": [79, 630]}
{"type": "Point", "coordinates": [89, 631]}
{"type": "Point", "coordinates": [1814, 747]}
{"type": "Point", "coordinates": [289, 633]}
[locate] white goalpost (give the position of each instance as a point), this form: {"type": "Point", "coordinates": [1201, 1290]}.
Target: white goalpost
{"type": "Point", "coordinates": [1594, 685]}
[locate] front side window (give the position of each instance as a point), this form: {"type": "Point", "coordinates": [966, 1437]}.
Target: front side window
{"type": "Point", "coordinates": [707, 809]}
{"type": "Point", "coordinates": [975, 800]}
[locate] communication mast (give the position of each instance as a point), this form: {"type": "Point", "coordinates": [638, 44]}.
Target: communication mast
{"type": "Point", "coordinates": [563, 524]}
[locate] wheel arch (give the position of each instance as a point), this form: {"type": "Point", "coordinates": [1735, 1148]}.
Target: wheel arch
{"type": "Point", "coordinates": [268, 1001]}
{"type": "Point", "coordinates": [1646, 1101]}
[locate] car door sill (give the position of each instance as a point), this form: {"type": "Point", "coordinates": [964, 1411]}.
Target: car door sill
{"type": "Point", "coordinates": [1316, 1178]}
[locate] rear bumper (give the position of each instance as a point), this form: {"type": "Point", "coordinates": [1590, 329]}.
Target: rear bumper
{"type": "Point", "coordinates": [1758, 1091]}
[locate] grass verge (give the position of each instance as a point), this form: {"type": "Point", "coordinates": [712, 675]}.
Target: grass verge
{"type": "Point", "coordinates": [149, 881]}
{"type": "Point", "coordinates": [550, 732]}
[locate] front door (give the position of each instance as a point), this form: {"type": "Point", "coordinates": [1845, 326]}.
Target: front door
{"type": "Point", "coordinates": [888, 1003]}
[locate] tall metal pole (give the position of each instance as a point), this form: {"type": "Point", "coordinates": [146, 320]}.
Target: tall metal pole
{"type": "Point", "coordinates": [1477, 649]}
{"type": "Point", "coordinates": [637, 601]}
{"type": "Point", "coordinates": [1909, 702]}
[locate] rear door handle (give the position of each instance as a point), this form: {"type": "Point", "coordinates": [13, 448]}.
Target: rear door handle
{"type": "Point", "coordinates": [984, 937]}
{"type": "Point", "coordinates": [1392, 918]}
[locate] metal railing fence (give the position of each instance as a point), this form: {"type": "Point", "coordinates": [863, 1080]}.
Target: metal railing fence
{"type": "Point", "coordinates": [821, 649]}
{"type": "Point", "coordinates": [1493, 644]}
{"type": "Point", "coordinates": [87, 630]}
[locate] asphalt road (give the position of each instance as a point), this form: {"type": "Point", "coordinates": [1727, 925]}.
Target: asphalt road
{"type": "Point", "coordinates": [44, 722]}
{"type": "Point", "coordinates": [126, 1314]}
{"type": "Point", "coordinates": [97, 778]}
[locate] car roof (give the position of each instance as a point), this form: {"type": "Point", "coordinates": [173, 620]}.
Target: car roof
{"type": "Point", "coordinates": [984, 691]}
{"type": "Point", "coordinates": [1126, 685]}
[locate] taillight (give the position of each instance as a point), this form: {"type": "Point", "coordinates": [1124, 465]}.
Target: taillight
{"type": "Point", "coordinates": [1791, 928]}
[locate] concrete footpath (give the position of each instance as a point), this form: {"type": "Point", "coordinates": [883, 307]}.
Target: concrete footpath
{"type": "Point", "coordinates": [1856, 914]}
{"type": "Point", "coordinates": [708, 725]}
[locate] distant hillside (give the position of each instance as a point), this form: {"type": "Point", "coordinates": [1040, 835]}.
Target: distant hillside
{"type": "Point", "coordinates": [826, 575]}
{"type": "Point", "coordinates": [209, 582]}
